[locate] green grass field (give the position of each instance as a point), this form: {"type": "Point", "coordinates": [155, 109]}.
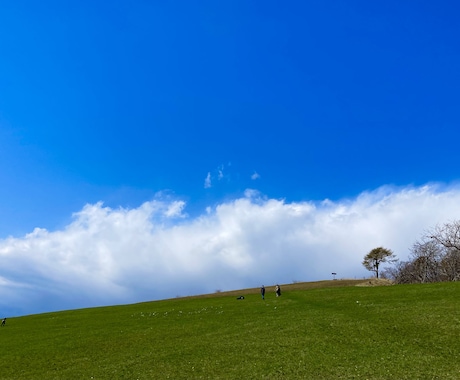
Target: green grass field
{"type": "Point", "coordinates": [324, 330]}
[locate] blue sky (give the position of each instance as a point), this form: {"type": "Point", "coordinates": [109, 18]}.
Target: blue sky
{"type": "Point", "coordinates": [180, 111]}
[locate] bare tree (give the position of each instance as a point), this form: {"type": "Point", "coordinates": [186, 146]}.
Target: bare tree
{"type": "Point", "coordinates": [402, 272]}
{"type": "Point", "coordinates": [394, 273]}
{"type": "Point", "coordinates": [448, 235]}
{"type": "Point", "coordinates": [426, 261]}
{"type": "Point", "coordinates": [435, 257]}
{"type": "Point", "coordinates": [450, 265]}
{"type": "Point", "coordinates": [376, 257]}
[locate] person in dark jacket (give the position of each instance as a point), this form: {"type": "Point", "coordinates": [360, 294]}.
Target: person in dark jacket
{"type": "Point", "coordinates": [262, 292]}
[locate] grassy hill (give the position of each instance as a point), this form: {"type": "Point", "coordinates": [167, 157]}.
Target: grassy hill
{"type": "Point", "coordinates": [322, 330]}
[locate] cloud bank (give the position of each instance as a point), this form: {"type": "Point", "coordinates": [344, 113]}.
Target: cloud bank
{"type": "Point", "coordinates": [111, 256]}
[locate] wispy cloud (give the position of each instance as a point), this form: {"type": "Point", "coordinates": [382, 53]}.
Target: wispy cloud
{"type": "Point", "coordinates": [218, 175]}
{"type": "Point", "coordinates": [220, 172]}
{"type": "Point", "coordinates": [207, 181]}
{"type": "Point", "coordinates": [111, 256]}
{"type": "Point", "coordinates": [255, 176]}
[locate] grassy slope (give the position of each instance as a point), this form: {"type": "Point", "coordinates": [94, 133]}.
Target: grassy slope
{"type": "Point", "coordinates": [320, 330]}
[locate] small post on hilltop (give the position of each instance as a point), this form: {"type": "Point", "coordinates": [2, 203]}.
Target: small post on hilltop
{"type": "Point", "coordinates": [334, 274]}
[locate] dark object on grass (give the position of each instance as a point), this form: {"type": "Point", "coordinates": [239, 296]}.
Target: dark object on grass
{"type": "Point", "coordinates": [3, 322]}
{"type": "Point", "coordinates": [240, 298]}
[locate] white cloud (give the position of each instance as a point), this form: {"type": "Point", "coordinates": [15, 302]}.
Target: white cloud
{"type": "Point", "coordinates": [175, 209]}
{"type": "Point", "coordinates": [111, 256]}
{"type": "Point", "coordinates": [220, 172]}
{"type": "Point", "coordinates": [207, 181]}
{"type": "Point", "coordinates": [255, 176]}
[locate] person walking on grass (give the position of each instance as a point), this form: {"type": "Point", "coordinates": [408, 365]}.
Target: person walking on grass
{"type": "Point", "coordinates": [262, 292]}
{"type": "Point", "coordinates": [277, 290]}
{"type": "Point", "coordinates": [3, 322]}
